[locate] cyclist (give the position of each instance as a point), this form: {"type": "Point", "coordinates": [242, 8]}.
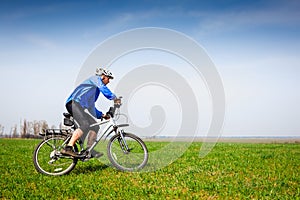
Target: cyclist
{"type": "Point", "coordinates": [84, 97]}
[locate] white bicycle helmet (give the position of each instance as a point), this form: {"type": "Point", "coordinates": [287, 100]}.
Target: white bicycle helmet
{"type": "Point", "coordinates": [100, 71]}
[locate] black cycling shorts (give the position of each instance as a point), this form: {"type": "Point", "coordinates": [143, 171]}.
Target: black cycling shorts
{"type": "Point", "coordinates": [83, 119]}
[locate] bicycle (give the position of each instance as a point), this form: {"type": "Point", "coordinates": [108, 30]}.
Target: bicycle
{"type": "Point", "coordinates": [125, 151]}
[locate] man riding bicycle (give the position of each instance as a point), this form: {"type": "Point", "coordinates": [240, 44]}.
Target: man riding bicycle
{"type": "Point", "coordinates": [84, 97]}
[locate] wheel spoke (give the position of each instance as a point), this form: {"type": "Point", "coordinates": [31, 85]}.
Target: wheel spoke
{"type": "Point", "coordinates": [131, 159]}
{"type": "Point", "coordinates": [57, 164]}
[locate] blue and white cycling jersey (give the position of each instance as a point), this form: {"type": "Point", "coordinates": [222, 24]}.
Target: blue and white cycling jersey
{"type": "Point", "coordinates": [87, 93]}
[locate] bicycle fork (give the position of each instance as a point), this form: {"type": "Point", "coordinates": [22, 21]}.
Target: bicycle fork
{"type": "Point", "coordinates": [123, 143]}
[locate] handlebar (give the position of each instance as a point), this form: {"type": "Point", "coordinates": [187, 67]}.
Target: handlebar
{"type": "Point", "coordinates": [117, 101]}
{"type": "Point", "coordinates": [117, 104]}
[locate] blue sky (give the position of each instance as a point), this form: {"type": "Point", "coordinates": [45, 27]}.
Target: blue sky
{"type": "Point", "coordinates": [255, 46]}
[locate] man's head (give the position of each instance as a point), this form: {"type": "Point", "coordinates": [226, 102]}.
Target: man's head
{"type": "Point", "coordinates": [105, 74]}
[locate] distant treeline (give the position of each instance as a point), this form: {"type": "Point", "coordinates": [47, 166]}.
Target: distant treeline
{"type": "Point", "coordinates": [26, 129]}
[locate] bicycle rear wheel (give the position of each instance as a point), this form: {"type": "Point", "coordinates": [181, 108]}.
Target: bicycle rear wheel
{"type": "Point", "coordinates": [133, 158]}
{"type": "Point", "coordinates": [48, 160]}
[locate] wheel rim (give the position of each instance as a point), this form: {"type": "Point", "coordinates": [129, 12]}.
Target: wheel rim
{"type": "Point", "coordinates": [133, 160]}
{"type": "Point", "coordinates": [48, 159]}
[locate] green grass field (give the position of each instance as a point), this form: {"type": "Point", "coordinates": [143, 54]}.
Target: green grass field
{"type": "Point", "coordinates": [229, 171]}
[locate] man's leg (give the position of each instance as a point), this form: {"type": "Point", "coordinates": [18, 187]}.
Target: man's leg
{"type": "Point", "coordinates": [91, 139]}
{"type": "Point", "coordinates": [76, 135]}
{"type": "Point", "coordinates": [79, 115]}
{"type": "Point", "coordinates": [68, 150]}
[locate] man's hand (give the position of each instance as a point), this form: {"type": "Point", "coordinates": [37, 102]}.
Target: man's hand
{"type": "Point", "coordinates": [117, 101]}
{"type": "Point", "coordinates": [105, 116]}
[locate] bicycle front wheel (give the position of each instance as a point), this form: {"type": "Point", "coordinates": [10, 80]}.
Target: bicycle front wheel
{"type": "Point", "coordinates": [48, 160]}
{"type": "Point", "coordinates": [127, 153]}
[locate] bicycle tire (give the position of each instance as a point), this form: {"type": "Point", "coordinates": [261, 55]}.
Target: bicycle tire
{"type": "Point", "coordinates": [48, 160]}
{"type": "Point", "coordinates": [133, 160]}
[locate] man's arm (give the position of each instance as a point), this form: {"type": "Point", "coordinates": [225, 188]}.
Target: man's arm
{"type": "Point", "coordinates": [99, 114]}
{"type": "Point", "coordinates": [107, 93]}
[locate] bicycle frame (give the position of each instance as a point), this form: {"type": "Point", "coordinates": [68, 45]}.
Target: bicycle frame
{"type": "Point", "coordinates": [110, 127]}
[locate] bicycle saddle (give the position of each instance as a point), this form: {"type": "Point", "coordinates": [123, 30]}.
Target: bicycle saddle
{"type": "Point", "coordinates": [67, 115]}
